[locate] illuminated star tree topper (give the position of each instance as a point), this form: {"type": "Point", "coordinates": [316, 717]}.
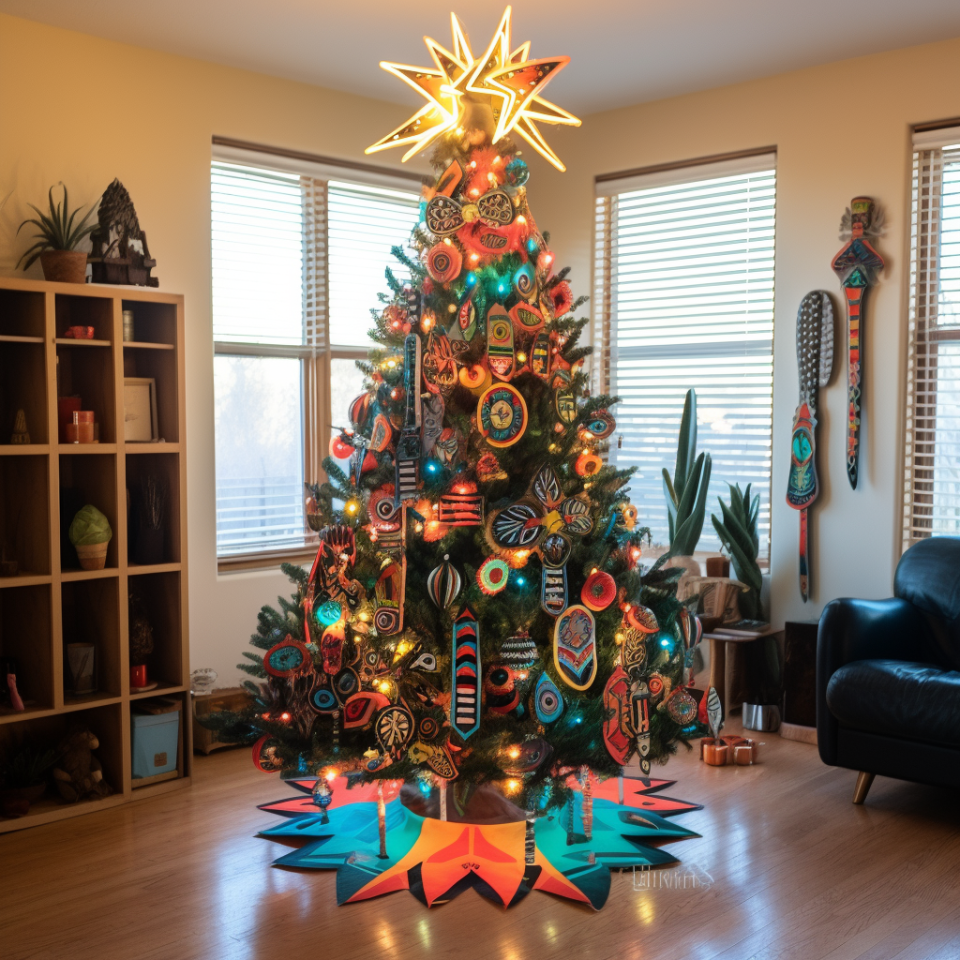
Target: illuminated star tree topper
{"type": "Point", "coordinates": [464, 92]}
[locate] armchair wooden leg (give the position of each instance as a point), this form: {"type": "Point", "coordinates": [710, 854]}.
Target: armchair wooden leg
{"type": "Point", "coordinates": [864, 782]}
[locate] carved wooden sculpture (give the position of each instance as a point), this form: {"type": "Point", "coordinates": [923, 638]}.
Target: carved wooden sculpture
{"type": "Point", "coordinates": [814, 365]}
{"type": "Point", "coordinates": [857, 265]}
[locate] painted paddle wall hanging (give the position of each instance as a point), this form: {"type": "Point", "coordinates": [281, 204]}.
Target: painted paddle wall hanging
{"type": "Point", "coordinates": [814, 366]}
{"type": "Point", "coordinates": [857, 265]}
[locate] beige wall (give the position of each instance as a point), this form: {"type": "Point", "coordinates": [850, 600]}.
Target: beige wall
{"type": "Point", "coordinates": [840, 130]}
{"type": "Point", "coordinates": [84, 110]}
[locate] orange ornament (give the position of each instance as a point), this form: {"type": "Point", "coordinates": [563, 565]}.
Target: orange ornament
{"type": "Point", "coordinates": [587, 464]}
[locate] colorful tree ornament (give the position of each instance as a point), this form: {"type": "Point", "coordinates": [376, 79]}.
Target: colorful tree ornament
{"type": "Point", "coordinates": [465, 694]}
{"type": "Point", "coordinates": [526, 318]}
{"type": "Point", "coordinates": [618, 732]}
{"type": "Point", "coordinates": [444, 262]}
{"type": "Point", "coordinates": [444, 583]}
{"type": "Point", "coordinates": [288, 658]}
{"type": "Point", "coordinates": [501, 357]}
{"type": "Point", "coordinates": [587, 464]}
{"type": "Point", "coordinates": [501, 415]}
{"type": "Point", "coordinates": [409, 444]}
{"type": "Point", "coordinates": [493, 575]}
{"type": "Point", "coordinates": [519, 651]}
{"type": "Point", "coordinates": [599, 591]}
{"type": "Point", "coordinates": [548, 703]}
{"type": "Point", "coordinates": [575, 647]}
{"type": "Point", "coordinates": [597, 426]}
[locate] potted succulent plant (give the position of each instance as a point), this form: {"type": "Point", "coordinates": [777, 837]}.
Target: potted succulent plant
{"type": "Point", "coordinates": [90, 532]}
{"type": "Point", "coordinates": [57, 237]}
{"type": "Point", "coordinates": [23, 780]}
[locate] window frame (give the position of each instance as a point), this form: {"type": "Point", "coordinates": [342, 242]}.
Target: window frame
{"type": "Point", "coordinates": [924, 332]}
{"type": "Point", "coordinates": [607, 189]}
{"type": "Point", "coordinates": [316, 352]}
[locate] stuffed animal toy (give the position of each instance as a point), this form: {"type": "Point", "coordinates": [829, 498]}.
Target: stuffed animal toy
{"type": "Point", "coordinates": [79, 774]}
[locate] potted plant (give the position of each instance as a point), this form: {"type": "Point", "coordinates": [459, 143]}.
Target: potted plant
{"type": "Point", "coordinates": [23, 780]}
{"type": "Point", "coordinates": [58, 235]}
{"type": "Point", "coordinates": [686, 494]}
{"type": "Point", "coordinates": [737, 530]}
{"type": "Point", "coordinates": [90, 533]}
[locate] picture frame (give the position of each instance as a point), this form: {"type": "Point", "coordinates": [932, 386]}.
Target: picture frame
{"type": "Point", "coordinates": [140, 423]}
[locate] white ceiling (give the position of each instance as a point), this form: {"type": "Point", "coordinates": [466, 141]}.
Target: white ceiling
{"type": "Point", "coordinates": [624, 51]}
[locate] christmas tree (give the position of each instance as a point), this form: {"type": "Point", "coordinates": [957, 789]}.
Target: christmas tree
{"type": "Point", "coordinates": [477, 612]}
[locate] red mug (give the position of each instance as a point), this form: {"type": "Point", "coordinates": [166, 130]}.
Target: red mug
{"type": "Point", "coordinates": [138, 675]}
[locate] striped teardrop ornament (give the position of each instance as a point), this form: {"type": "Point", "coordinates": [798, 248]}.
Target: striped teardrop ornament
{"type": "Point", "coordinates": [444, 583]}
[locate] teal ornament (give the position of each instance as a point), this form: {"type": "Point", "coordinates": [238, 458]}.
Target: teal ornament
{"type": "Point", "coordinates": [547, 700]}
{"type": "Point", "coordinates": [329, 612]}
{"type": "Point", "coordinates": [518, 173]}
{"type": "Point", "coordinates": [525, 282]}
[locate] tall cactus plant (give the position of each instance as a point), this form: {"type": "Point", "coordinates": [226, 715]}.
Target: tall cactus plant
{"type": "Point", "coordinates": [686, 494]}
{"type": "Point", "coordinates": [738, 534]}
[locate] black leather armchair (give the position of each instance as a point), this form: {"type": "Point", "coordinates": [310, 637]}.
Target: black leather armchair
{"type": "Point", "coordinates": [888, 675]}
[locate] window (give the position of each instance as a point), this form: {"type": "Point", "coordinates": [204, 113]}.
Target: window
{"type": "Point", "coordinates": [298, 261]}
{"type": "Point", "coordinates": [683, 298]}
{"type": "Point", "coordinates": [932, 436]}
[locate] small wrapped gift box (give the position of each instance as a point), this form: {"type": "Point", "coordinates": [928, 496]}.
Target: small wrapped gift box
{"type": "Point", "coordinates": [722, 751]}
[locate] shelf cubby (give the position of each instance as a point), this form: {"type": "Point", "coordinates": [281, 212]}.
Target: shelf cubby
{"type": "Point", "coordinates": [23, 387]}
{"type": "Point", "coordinates": [85, 311]}
{"type": "Point", "coordinates": [25, 515]}
{"type": "Point", "coordinates": [158, 596]}
{"type": "Point", "coordinates": [88, 479]}
{"type": "Point", "coordinates": [90, 611]}
{"type": "Point", "coordinates": [48, 601]}
{"type": "Point", "coordinates": [26, 635]}
{"type": "Point", "coordinates": [23, 314]}
{"type": "Point", "coordinates": [89, 374]}
{"type": "Point", "coordinates": [166, 468]}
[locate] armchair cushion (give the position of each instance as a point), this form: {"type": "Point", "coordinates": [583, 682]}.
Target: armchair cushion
{"type": "Point", "coordinates": [928, 576]}
{"type": "Point", "coordinates": [896, 698]}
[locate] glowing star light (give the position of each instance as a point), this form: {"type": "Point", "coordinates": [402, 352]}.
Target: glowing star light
{"type": "Point", "coordinates": [508, 82]}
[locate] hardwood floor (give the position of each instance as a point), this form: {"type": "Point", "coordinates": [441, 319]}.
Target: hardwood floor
{"type": "Point", "coordinates": [792, 869]}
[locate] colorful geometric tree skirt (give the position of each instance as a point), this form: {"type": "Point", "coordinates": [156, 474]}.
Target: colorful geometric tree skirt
{"type": "Point", "coordinates": [437, 859]}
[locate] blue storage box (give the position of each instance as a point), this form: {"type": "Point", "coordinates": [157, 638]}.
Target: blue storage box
{"type": "Point", "coordinates": [155, 738]}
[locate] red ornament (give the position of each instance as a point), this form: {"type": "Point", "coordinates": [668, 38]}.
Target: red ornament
{"type": "Point", "coordinates": [562, 297]}
{"type": "Point", "coordinates": [587, 464]}
{"type": "Point", "coordinates": [444, 262]}
{"type": "Point", "coordinates": [339, 449]}
{"type": "Point", "coordinates": [599, 591]}
{"type": "Point", "coordinates": [641, 618]}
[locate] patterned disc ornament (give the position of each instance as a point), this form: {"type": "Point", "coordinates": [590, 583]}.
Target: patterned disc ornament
{"type": "Point", "coordinates": [444, 583]}
{"type": "Point", "coordinates": [501, 415]}
{"type": "Point", "coordinates": [525, 282]}
{"type": "Point", "coordinates": [444, 262]}
{"type": "Point", "coordinates": [599, 591]}
{"type": "Point", "coordinates": [394, 726]}
{"type": "Point", "coordinates": [492, 575]}
{"type": "Point", "coordinates": [287, 659]}
{"type": "Point", "coordinates": [682, 708]}
{"type": "Point", "coordinates": [587, 464]}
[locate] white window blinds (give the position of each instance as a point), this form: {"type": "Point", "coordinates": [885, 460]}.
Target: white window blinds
{"type": "Point", "coordinates": [684, 271]}
{"type": "Point", "coordinates": [932, 436]}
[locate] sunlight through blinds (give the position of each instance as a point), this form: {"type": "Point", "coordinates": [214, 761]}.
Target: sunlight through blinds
{"type": "Point", "coordinates": [684, 277]}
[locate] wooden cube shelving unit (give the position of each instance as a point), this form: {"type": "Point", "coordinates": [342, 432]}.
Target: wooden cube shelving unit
{"type": "Point", "coordinates": [50, 601]}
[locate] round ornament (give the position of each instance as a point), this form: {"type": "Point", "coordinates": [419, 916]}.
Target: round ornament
{"type": "Point", "coordinates": [476, 378]}
{"type": "Point", "coordinates": [642, 618]}
{"type": "Point", "coordinates": [501, 415]}
{"type": "Point", "coordinates": [444, 262]}
{"type": "Point", "coordinates": [429, 728]}
{"type": "Point", "coordinates": [599, 591]}
{"type": "Point", "coordinates": [517, 171]}
{"type": "Point", "coordinates": [394, 727]}
{"type": "Point", "coordinates": [359, 409]}
{"type": "Point", "coordinates": [383, 510]}
{"type": "Point", "coordinates": [587, 464]}
{"type": "Point", "coordinates": [287, 658]}
{"type": "Point", "coordinates": [323, 700]}
{"type": "Point", "coordinates": [492, 575]}
{"type": "Point", "coordinates": [682, 708]}
{"type": "Point", "coordinates": [444, 583]}
{"type": "Point", "coordinates": [340, 450]}
{"type": "Point", "coordinates": [655, 685]}
{"type": "Point", "coordinates": [329, 612]}
{"type": "Point", "coordinates": [501, 694]}
{"type": "Point", "coordinates": [598, 426]}
{"type": "Point", "coordinates": [265, 757]}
